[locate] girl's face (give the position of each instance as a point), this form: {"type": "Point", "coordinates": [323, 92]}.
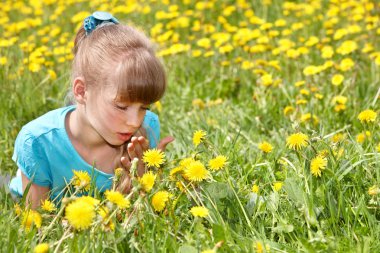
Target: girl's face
{"type": "Point", "coordinates": [114, 121]}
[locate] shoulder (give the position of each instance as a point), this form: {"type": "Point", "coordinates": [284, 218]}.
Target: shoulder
{"type": "Point", "coordinates": [152, 127]}
{"type": "Point", "coordinates": [45, 123]}
{"type": "Point", "coordinates": [151, 120]}
{"type": "Point", "coordinates": [150, 116]}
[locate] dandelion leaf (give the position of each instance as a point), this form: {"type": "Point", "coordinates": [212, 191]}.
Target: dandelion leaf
{"type": "Point", "coordinates": [187, 249]}
{"type": "Point", "coordinates": [286, 228]}
{"type": "Point", "coordinates": [273, 202]}
{"type": "Point", "coordinates": [218, 190]}
{"type": "Point", "coordinates": [295, 193]}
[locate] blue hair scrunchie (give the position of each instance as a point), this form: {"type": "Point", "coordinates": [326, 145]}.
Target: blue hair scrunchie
{"type": "Point", "coordinates": [98, 18]}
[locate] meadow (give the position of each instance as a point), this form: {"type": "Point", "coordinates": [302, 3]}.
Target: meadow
{"type": "Point", "coordinates": [274, 106]}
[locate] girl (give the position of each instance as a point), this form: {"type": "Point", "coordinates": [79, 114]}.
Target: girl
{"type": "Point", "coordinates": [115, 77]}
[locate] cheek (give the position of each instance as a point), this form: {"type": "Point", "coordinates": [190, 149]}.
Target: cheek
{"type": "Point", "coordinates": [112, 118]}
{"type": "Point", "coordinates": [109, 117]}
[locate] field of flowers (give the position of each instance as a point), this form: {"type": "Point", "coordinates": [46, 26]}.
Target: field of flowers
{"type": "Point", "coordinates": [274, 106]}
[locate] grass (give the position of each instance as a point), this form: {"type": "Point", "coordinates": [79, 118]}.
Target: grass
{"type": "Point", "coordinates": [331, 213]}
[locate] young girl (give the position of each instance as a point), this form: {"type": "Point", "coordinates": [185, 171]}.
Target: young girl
{"type": "Point", "coordinates": [115, 77]}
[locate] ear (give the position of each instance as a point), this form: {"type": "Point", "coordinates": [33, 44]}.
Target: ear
{"type": "Point", "coordinates": [80, 90]}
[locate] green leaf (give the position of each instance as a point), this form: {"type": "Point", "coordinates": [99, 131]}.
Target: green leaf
{"type": "Point", "coordinates": [218, 190]}
{"type": "Point", "coordinates": [187, 249]}
{"type": "Point", "coordinates": [218, 232]}
{"type": "Point", "coordinates": [294, 190]}
{"type": "Point", "coordinates": [283, 228]}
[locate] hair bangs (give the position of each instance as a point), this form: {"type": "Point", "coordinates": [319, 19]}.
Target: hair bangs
{"type": "Point", "coordinates": [139, 77]}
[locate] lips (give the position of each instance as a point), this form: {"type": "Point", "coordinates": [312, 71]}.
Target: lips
{"type": "Point", "coordinates": [124, 136]}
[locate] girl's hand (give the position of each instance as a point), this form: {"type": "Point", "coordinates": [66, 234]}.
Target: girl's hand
{"type": "Point", "coordinates": [164, 142]}
{"type": "Point", "coordinates": [136, 149]}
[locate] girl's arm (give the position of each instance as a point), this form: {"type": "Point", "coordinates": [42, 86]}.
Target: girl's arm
{"type": "Point", "coordinates": [36, 193]}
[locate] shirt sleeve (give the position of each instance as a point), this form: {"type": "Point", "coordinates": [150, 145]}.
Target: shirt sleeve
{"type": "Point", "coordinates": [152, 126]}
{"type": "Point", "coordinates": [30, 159]}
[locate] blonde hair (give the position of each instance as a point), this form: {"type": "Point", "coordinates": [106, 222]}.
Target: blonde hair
{"type": "Point", "coordinates": [119, 55]}
{"type": "Point", "coordinates": [116, 54]}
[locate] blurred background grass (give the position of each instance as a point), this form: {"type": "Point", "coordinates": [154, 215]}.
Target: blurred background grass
{"type": "Point", "coordinates": [210, 89]}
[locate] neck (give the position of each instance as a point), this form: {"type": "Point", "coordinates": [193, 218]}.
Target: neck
{"type": "Point", "coordinates": [77, 125]}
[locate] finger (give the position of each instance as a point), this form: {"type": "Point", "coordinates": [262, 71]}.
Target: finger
{"type": "Point", "coordinates": [125, 162]}
{"type": "Point", "coordinates": [144, 143]}
{"type": "Point", "coordinates": [140, 169]}
{"type": "Point", "coordinates": [138, 148]}
{"type": "Point", "coordinates": [164, 142]}
{"type": "Point", "coordinates": [131, 151]}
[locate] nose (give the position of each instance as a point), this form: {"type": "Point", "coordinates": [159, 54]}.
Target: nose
{"type": "Point", "coordinates": [133, 119]}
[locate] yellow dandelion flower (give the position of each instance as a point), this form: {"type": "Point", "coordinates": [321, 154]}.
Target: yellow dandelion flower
{"type": "Point", "coordinates": [117, 198]}
{"type": "Point", "coordinates": [367, 116]}
{"type": "Point", "coordinates": [360, 138]}
{"type": "Point", "coordinates": [373, 190]}
{"type": "Point", "coordinates": [89, 200]}
{"type": "Point", "coordinates": [347, 47]}
{"type": "Point", "coordinates": [311, 70]}
{"type": "Point", "coordinates": [199, 137]}
{"type": "Point", "coordinates": [378, 148]}
{"type": "Point", "coordinates": [217, 163]}
{"type": "Point", "coordinates": [147, 181]}
{"type": "Point", "coordinates": [255, 188]}
{"type": "Point", "coordinates": [153, 157]}
{"type": "Point", "coordinates": [277, 186]}
{"type": "Point", "coordinates": [3, 60]}
{"type": "Point", "coordinates": [297, 141]}
{"type": "Point", "coordinates": [119, 172]}
{"type": "Point", "coordinates": [184, 163]}
{"type": "Point", "coordinates": [339, 100]}
{"type": "Point", "coordinates": [52, 74]}
{"type": "Point", "coordinates": [18, 209]}
{"type": "Point", "coordinates": [48, 206]}
{"type": "Point", "coordinates": [158, 106]}
{"type": "Point", "coordinates": [41, 248]}
{"type": "Point", "coordinates": [266, 79]}
{"type": "Point", "coordinates": [199, 211]}
{"type": "Point", "coordinates": [288, 110]}
{"type": "Point", "coordinates": [318, 164]}
{"type": "Point", "coordinates": [180, 187]}
{"type": "Point", "coordinates": [337, 79]}
{"type": "Point", "coordinates": [323, 153]}
{"type": "Point", "coordinates": [174, 172]}
{"type": "Point", "coordinates": [259, 247]}
{"type": "Point", "coordinates": [377, 60]}
{"type": "Point", "coordinates": [346, 64]}
{"type": "Point", "coordinates": [80, 214]}
{"type": "Point", "coordinates": [30, 218]}
{"type": "Point", "coordinates": [301, 102]}
{"type": "Point", "coordinates": [81, 180]}
{"type": "Point", "coordinates": [265, 147]}
{"type": "Point", "coordinates": [208, 251]}
{"type": "Point", "coordinates": [337, 137]}
{"type": "Point", "coordinates": [159, 200]}
{"type": "Point", "coordinates": [106, 222]}
{"type": "Point", "coordinates": [196, 171]}
{"type": "Point", "coordinates": [307, 117]}
{"type": "Point", "coordinates": [198, 103]}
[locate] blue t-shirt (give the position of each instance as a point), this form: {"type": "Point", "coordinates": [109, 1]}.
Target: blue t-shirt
{"type": "Point", "coordinates": [45, 154]}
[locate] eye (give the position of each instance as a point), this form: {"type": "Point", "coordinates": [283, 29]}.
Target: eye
{"type": "Point", "coordinates": [121, 107]}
